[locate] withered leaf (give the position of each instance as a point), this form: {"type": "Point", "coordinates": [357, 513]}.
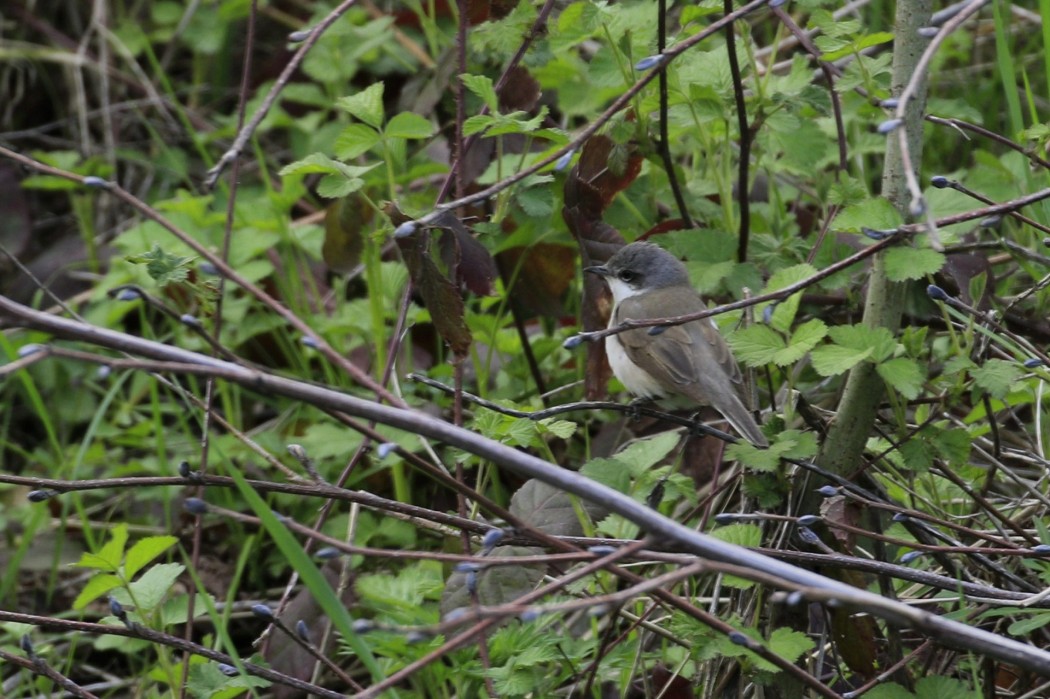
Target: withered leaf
{"type": "Point", "coordinates": [344, 223]}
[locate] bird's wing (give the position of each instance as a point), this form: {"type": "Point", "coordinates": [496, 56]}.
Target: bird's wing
{"type": "Point", "coordinates": [678, 355]}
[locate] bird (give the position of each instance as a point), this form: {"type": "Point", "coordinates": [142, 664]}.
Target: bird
{"type": "Point", "coordinates": [690, 360]}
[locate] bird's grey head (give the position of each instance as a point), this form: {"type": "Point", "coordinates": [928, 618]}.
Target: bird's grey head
{"type": "Point", "coordinates": [643, 266]}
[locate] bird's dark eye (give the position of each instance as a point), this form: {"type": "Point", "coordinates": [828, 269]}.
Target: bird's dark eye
{"type": "Point", "coordinates": [626, 276]}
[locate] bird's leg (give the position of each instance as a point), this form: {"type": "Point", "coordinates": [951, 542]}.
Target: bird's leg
{"type": "Point", "coordinates": [635, 407]}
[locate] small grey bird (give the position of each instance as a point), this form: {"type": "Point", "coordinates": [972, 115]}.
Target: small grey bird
{"type": "Point", "coordinates": [692, 359]}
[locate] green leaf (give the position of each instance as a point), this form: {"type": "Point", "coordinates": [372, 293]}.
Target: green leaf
{"type": "Point", "coordinates": [917, 454]}
{"type": "Point", "coordinates": [832, 360]}
{"type": "Point", "coordinates": [148, 591]}
{"type": "Point", "coordinates": [608, 472]}
{"type": "Point", "coordinates": [145, 551]}
{"type": "Point", "coordinates": [804, 339]}
{"type": "Point", "coordinates": [749, 535]}
{"type": "Point", "coordinates": [355, 140]}
{"type": "Point", "coordinates": [879, 340]}
{"type": "Point", "coordinates": [877, 213]}
{"type": "Point", "coordinates": [563, 429]}
{"type": "Point", "coordinates": [366, 105]}
{"type": "Point", "coordinates": [338, 186]}
{"type": "Point", "coordinates": [642, 454]}
{"type": "Point", "coordinates": [784, 312]}
{"type": "Point", "coordinates": [110, 555]}
{"type": "Point", "coordinates": [954, 446]}
{"type": "Point", "coordinates": [756, 345]}
{"type": "Point", "coordinates": [904, 375]}
{"type": "Point", "coordinates": [996, 376]}
{"type": "Point", "coordinates": [790, 644]}
{"type": "Point", "coordinates": [481, 85]}
{"type": "Point", "coordinates": [903, 264]}
{"type": "Point", "coordinates": [162, 267]}
{"type": "Point", "coordinates": [409, 125]}
{"type": "Point", "coordinates": [97, 586]}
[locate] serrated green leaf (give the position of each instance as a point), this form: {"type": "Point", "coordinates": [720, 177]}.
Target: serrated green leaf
{"type": "Point", "coordinates": [759, 459]}
{"type": "Point", "coordinates": [756, 345]}
{"type": "Point", "coordinates": [954, 446]}
{"type": "Point", "coordinates": [643, 454]}
{"type": "Point", "coordinates": [879, 340]}
{"type": "Point", "coordinates": [563, 429]}
{"type": "Point", "coordinates": [163, 267]}
{"type": "Point", "coordinates": [409, 125]}
{"type": "Point", "coordinates": [904, 375]}
{"type": "Point", "coordinates": [366, 105]}
{"type": "Point", "coordinates": [877, 213]}
{"type": "Point", "coordinates": [790, 644]}
{"type": "Point", "coordinates": [917, 454]}
{"type": "Point", "coordinates": [337, 186]}
{"type": "Point", "coordinates": [481, 85]}
{"type": "Point", "coordinates": [477, 124]}
{"type": "Point", "coordinates": [903, 264]}
{"type": "Point", "coordinates": [608, 472]}
{"type": "Point", "coordinates": [144, 551]}
{"type": "Point", "coordinates": [996, 376]}
{"type": "Point", "coordinates": [149, 590]}
{"type": "Point", "coordinates": [110, 555]}
{"type": "Point", "coordinates": [749, 535]}
{"type": "Point", "coordinates": [355, 140]}
{"type": "Point", "coordinates": [804, 339]}
{"type": "Point", "coordinates": [784, 312]}
{"type": "Point", "coordinates": [832, 360]}
{"type": "Point", "coordinates": [97, 586]}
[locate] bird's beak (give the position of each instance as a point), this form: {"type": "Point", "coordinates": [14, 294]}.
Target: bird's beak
{"type": "Point", "coordinates": [600, 270]}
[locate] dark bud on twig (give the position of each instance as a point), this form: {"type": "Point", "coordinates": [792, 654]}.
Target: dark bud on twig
{"type": "Point", "coordinates": [303, 630]}
{"type": "Point", "coordinates": [466, 567]}
{"type": "Point", "coordinates": [128, 294]}
{"type": "Point", "coordinates": [209, 269]}
{"type": "Point", "coordinates": [262, 611]}
{"type": "Point", "coordinates": [928, 32]}
{"type": "Point", "coordinates": [573, 342]}
{"type": "Point", "coordinates": [901, 517]}
{"type": "Point", "coordinates": [529, 615]}
{"type": "Point", "coordinates": [103, 372]}
{"type": "Point", "coordinates": [601, 550]}
{"type": "Point", "coordinates": [26, 350]}
{"type": "Point", "coordinates": [807, 535]}
{"type": "Point", "coordinates": [456, 615]}
{"type": "Point", "coordinates": [808, 520]}
{"type": "Point", "coordinates": [406, 230]}
{"type": "Point", "coordinates": [941, 182]}
{"type": "Point", "coordinates": [299, 36]}
{"type": "Point", "coordinates": [96, 182]}
{"type": "Point", "coordinates": [491, 539]}
{"type": "Point", "coordinates": [828, 491]}
{"type": "Point", "coordinates": [1033, 363]}
{"type": "Point", "coordinates": [311, 342]}
{"type": "Point", "coordinates": [362, 626]}
{"type": "Point", "coordinates": [726, 518]}
{"type": "Point", "coordinates": [910, 556]}
{"type": "Point", "coordinates": [1041, 550]}
{"type": "Point", "coordinates": [41, 495]}
{"type": "Point", "coordinates": [795, 598]}
{"type": "Point", "coordinates": [739, 639]}
{"type": "Point", "coordinates": [990, 222]}
{"type": "Point", "coordinates": [649, 62]}
{"type": "Point", "coordinates": [328, 553]}
{"type": "Point", "coordinates": [228, 670]}
{"type": "Point", "coordinates": [876, 234]}
{"type": "Point", "coordinates": [891, 103]}
{"type": "Point", "coordinates": [563, 161]}
{"type": "Point", "coordinates": [26, 644]}
{"type": "Point", "coordinates": [195, 506]}
{"type": "Point", "coordinates": [657, 330]}
{"type": "Point", "coordinates": [385, 449]}
{"type": "Point", "coordinates": [889, 126]}
{"type": "Point", "coordinates": [190, 320]}
{"type": "Point", "coordinates": [937, 293]}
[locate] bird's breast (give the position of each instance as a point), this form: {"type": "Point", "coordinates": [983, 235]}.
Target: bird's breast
{"type": "Point", "coordinates": [634, 378]}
